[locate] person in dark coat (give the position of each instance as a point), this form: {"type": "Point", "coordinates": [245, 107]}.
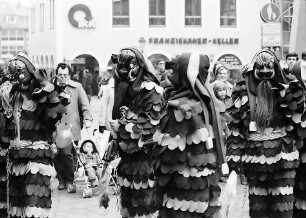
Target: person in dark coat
{"type": "Point", "coordinates": [78, 115]}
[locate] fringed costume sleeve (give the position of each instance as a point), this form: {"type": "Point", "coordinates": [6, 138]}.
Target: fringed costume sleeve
{"type": "Point", "coordinates": [293, 104]}
{"type": "Point", "coordinates": [236, 141]}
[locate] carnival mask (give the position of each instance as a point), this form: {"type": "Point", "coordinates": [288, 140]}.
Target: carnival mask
{"type": "Point", "coordinates": [127, 65]}
{"type": "Point", "coordinates": [264, 66]}
{"type": "Point", "coordinates": [18, 71]}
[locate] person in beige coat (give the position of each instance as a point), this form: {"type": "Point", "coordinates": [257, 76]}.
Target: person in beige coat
{"type": "Point", "coordinates": [78, 115]}
{"type": "Point", "coordinates": [106, 106]}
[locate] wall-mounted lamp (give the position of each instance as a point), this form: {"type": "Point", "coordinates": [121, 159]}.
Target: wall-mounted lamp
{"type": "Point", "coordinates": [142, 43]}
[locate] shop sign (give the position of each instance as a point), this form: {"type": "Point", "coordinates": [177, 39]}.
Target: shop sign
{"type": "Point", "coordinates": [79, 61]}
{"type": "Point", "coordinates": [85, 22]}
{"type": "Point", "coordinates": [199, 41]}
{"type": "Point", "coordinates": [232, 61]}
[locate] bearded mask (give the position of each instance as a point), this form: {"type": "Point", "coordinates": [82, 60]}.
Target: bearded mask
{"type": "Point", "coordinates": [262, 74]}
{"type": "Point", "coordinates": [127, 67]}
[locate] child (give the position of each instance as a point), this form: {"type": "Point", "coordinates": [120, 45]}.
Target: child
{"type": "Point", "coordinates": [91, 161]}
{"type": "Point", "coordinates": [220, 90]}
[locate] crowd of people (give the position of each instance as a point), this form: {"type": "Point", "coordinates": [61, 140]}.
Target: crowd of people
{"type": "Point", "coordinates": [177, 130]}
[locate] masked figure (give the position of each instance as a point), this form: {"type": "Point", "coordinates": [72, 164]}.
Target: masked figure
{"type": "Point", "coordinates": [190, 150]}
{"type": "Point", "coordinates": [299, 70]}
{"type": "Point", "coordinates": [266, 133]}
{"type": "Point", "coordinates": [30, 107]}
{"type": "Point", "coordinates": [137, 106]}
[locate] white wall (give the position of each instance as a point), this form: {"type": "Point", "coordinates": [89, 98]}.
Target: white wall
{"type": "Point", "coordinates": [42, 43]}
{"type": "Point", "coordinates": [105, 39]}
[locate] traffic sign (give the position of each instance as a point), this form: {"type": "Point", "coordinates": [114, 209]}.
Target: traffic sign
{"type": "Point", "coordinates": [271, 34]}
{"type": "Point", "coordinates": [270, 13]}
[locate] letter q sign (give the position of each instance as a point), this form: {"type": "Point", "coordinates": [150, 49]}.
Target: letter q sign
{"type": "Point", "coordinates": [85, 22]}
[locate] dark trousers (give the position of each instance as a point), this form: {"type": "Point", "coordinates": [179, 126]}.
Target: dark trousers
{"type": "Point", "coordinates": [65, 164]}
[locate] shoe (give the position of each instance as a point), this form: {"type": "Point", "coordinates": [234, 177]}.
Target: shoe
{"type": "Point", "coordinates": [94, 183]}
{"type": "Point", "coordinates": [223, 179]}
{"type": "Point", "coordinates": [71, 188]}
{"type": "Point", "coordinates": [61, 185]}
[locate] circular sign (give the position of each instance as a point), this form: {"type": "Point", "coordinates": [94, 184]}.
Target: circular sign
{"type": "Point", "coordinates": [84, 22]}
{"type": "Point", "coordinates": [232, 61]}
{"type": "Point", "coordinates": [270, 12]}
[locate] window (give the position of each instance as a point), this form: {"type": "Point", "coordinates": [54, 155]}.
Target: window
{"type": "Point", "coordinates": [157, 14]}
{"type": "Point", "coordinates": [14, 50]}
{"type": "Point", "coordinates": [287, 7]}
{"type": "Point", "coordinates": [228, 15]}
{"type": "Point", "coordinates": [286, 20]}
{"type": "Point", "coordinates": [10, 19]}
{"type": "Point", "coordinates": [12, 35]}
{"type": "Point", "coordinates": [121, 13]}
{"type": "Point", "coordinates": [32, 20]}
{"type": "Point", "coordinates": [20, 36]}
{"type": "Point", "coordinates": [5, 35]}
{"type": "Point", "coordinates": [42, 16]}
{"type": "Point", "coordinates": [51, 14]}
{"type": "Point", "coordinates": [193, 13]}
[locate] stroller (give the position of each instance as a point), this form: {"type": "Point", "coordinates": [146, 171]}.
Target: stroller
{"type": "Point", "coordinates": [106, 165]}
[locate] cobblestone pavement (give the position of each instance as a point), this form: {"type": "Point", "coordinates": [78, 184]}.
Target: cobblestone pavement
{"type": "Point", "coordinates": [75, 206]}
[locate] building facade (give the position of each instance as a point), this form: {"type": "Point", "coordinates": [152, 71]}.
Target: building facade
{"type": "Point", "coordinates": [14, 35]}
{"type": "Point", "coordinates": [86, 33]}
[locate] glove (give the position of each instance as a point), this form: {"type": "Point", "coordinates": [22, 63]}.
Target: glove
{"type": "Point", "coordinates": [101, 129]}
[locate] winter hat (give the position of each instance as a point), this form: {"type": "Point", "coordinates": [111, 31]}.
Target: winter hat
{"type": "Point", "coordinates": [218, 66]}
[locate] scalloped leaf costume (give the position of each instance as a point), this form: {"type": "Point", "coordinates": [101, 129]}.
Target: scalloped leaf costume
{"type": "Point", "coordinates": [268, 155]}
{"type": "Point", "coordinates": [30, 107]}
{"type": "Point", "coordinates": [299, 70]}
{"type": "Point", "coordinates": [138, 106]}
{"type": "Point", "coordinates": [189, 151]}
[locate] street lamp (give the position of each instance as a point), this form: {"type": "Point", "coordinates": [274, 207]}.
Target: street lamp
{"type": "Point", "coordinates": [142, 43]}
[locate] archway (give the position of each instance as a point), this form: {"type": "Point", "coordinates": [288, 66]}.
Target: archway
{"type": "Point", "coordinates": [155, 57]}
{"type": "Point", "coordinates": [87, 61]}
